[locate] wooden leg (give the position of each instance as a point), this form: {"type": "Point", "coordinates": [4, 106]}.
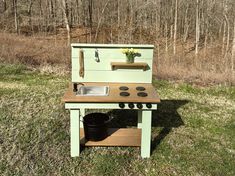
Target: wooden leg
{"type": "Point", "coordinates": [146, 134]}
{"type": "Point", "coordinates": [82, 114]}
{"type": "Point", "coordinates": [74, 132]}
{"type": "Point", "coordinates": [139, 125]}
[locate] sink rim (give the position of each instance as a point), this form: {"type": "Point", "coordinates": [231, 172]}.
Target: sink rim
{"type": "Point", "coordinates": [105, 90]}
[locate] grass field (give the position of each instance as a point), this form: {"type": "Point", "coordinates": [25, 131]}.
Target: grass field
{"type": "Point", "coordinates": [193, 131]}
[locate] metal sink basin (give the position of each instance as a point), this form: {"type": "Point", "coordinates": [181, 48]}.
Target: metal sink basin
{"type": "Point", "coordinates": [93, 91]}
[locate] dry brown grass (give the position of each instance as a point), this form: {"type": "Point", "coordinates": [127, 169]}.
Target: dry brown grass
{"type": "Point", "coordinates": [209, 67]}
{"type": "Point", "coordinates": [194, 76]}
{"type": "Point", "coordinates": [51, 54]}
{"type": "Point", "coordinates": [33, 51]}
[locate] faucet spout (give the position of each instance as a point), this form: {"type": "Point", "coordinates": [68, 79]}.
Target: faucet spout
{"type": "Point", "coordinates": [75, 86]}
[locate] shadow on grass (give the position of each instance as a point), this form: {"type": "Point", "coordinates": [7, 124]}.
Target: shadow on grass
{"type": "Point", "coordinates": [166, 117]}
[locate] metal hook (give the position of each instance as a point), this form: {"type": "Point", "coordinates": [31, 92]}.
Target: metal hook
{"type": "Point", "coordinates": [97, 55]}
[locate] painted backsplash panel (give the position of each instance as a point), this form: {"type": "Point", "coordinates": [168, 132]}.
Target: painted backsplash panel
{"type": "Point", "coordinates": [102, 72]}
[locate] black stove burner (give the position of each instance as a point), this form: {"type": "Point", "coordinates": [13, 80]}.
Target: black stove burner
{"type": "Point", "coordinates": [123, 88]}
{"type": "Point", "coordinates": [140, 88]}
{"type": "Point", "coordinates": [142, 94]}
{"type": "Point", "coordinates": [124, 94]}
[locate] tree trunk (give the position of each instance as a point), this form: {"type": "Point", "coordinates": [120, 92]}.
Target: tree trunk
{"type": "Point", "coordinates": [118, 20]}
{"type": "Point", "coordinates": [40, 15]}
{"type": "Point", "coordinates": [29, 11]}
{"type": "Point", "coordinates": [224, 38]}
{"type": "Point", "coordinates": [90, 17]}
{"type": "Point", "coordinates": [233, 49]}
{"type": "Point", "coordinates": [228, 36]}
{"type": "Point", "coordinates": [171, 36]}
{"type": "Point", "coordinates": [175, 26]}
{"type": "Point", "coordinates": [186, 25]}
{"type": "Point", "coordinates": [206, 30]}
{"type": "Point", "coordinates": [166, 38]}
{"type": "Point", "coordinates": [4, 5]}
{"type": "Point", "coordinates": [197, 28]}
{"type": "Point", "coordinates": [205, 42]}
{"type": "Point", "coordinates": [157, 25]}
{"type": "Point", "coordinates": [100, 19]}
{"type": "Point", "coordinates": [63, 4]}
{"type": "Point", "coordinates": [76, 13]}
{"type": "Point", "coordinates": [16, 16]}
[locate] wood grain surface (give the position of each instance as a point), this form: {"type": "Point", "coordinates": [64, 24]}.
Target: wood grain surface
{"type": "Point", "coordinates": [136, 65]}
{"type": "Point", "coordinates": [114, 96]}
{"type": "Point", "coordinates": [117, 137]}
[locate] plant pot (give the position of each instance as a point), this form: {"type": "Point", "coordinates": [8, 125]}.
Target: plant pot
{"type": "Point", "coordinates": [130, 59]}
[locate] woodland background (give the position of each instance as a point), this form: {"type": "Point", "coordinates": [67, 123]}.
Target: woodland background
{"type": "Point", "coordinates": [194, 40]}
{"type": "Point", "coordinates": [193, 128]}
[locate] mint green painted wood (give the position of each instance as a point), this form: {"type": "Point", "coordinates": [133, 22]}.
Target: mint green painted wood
{"type": "Point", "coordinates": [75, 64]}
{"type": "Point", "coordinates": [146, 133]}
{"type": "Point", "coordinates": [101, 72]}
{"type": "Point", "coordinates": [110, 53]}
{"type": "Point", "coordinates": [104, 64]}
{"type": "Point", "coordinates": [82, 114]}
{"type": "Point", "coordinates": [91, 45]}
{"type": "Point", "coordinates": [75, 52]}
{"type": "Point", "coordinates": [96, 71]}
{"type": "Point", "coordinates": [101, 106]}
{"type": "Point", "coordinates": [144, 122]}
{"type": "Point", "coordinates": [125, 76]}
{"type": "Point", "coordinates": [139, 124]}
{"type": "Point", "coordinates": [74, 133]}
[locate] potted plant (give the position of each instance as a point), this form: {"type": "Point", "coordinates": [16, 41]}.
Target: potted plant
{"type": "Point", "coordinates": [130, 54]}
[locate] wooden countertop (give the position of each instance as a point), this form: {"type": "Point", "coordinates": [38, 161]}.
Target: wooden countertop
{"type": "Point", "coordinates": [114, 96]}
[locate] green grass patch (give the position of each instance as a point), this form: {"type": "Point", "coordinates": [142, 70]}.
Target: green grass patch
{"type": "Point", "coordinates": [13, 69]}
{"type": "Point", "coordinates": [192, 130]}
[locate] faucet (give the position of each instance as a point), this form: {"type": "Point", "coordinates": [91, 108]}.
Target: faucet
{"type": "Point", "coordinates": [75, 86]}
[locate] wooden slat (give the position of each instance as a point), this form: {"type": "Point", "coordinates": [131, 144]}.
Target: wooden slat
{"type": "Point", "coordinates": [110, 54]}
{"type": "Point", "coordinates": [117, 137]}
{"type": "Point", "coordinates": [127, 76]}
{"type": "Point", "coordinates": [114, 76]}
{"type": "Point", "coordinates": [97, 71]}
{"type": "Point", "coordinates": [104, 64]}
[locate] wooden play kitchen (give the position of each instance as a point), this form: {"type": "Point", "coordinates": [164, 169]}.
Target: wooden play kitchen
{"type": "Point", "coordinates": [102, 79]}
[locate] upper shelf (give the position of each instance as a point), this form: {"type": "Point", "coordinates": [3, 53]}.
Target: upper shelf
{"type": "Point", "coordinates": [124, 65]}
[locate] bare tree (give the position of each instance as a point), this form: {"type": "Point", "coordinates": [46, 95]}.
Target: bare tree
{"type": "Point", "coordinates": [224, 38]}
{"type": "Point", "coordinates": [175, 26]}
{"type": "Point", "coordinates": [233, 49]}
{"type": "Point", "coordinates": [186, 24]}
{"type": "Point", "coordinates": [197, 28]}
{"type": "Point", "coordinates": [90, 16]}
{"type": "Point", "coordinates": [4, 5]}
{"type": "Point", "coordinates": [228, 28]}
{"type": "Point", "coordinates": [29, 11]}
{"type": "Point", "coordinates": [65, 15]}
{"type": "Point", "coordinates": [166, 37]}
{"type": "Point", "coordinates": [100, 20]}
{"type": "Point", "coordinates": [170, 24]}
{"type": "Point", "coordinates": [16, 16]}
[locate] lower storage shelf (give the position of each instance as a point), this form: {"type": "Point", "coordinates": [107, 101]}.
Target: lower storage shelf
{"type": "Point", "coordinates": [117, 137]}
